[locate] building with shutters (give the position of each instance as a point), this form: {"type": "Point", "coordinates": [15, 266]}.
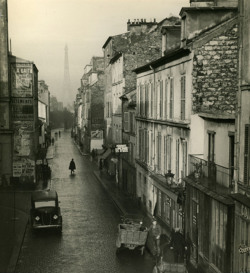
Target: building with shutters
{"type": "Point", "coordinates": [163, 117]}
{"type": "Point", "coordinates": [43, 114]}
{"type": "Point", "coordinates": [128, 177]}
{"type": "Point", "coordinates": [242, 139]}
{"type": "Point", "coordinates": [90, 107]}
{"type": "Point", "coordinates": [123, 53]}
{"type": "Point", "coordinates": [186, 104]}
{"type": "Point", "coordinates": [25, 122]}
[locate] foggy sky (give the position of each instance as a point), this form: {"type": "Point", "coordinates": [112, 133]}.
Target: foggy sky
{"type": "Point", "coordinates": [40, 29]}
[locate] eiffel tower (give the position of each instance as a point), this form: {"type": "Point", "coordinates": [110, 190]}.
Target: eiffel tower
{"type": "Point", "coordinates": [67, 99]}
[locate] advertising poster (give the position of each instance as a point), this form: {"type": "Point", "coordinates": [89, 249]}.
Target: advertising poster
{"type": "Point", "coordinates": [23, 138]}
{"type": "Point", "coordinates": [24, 167]}
{"type": "Point", "coordinates": [21, 80]}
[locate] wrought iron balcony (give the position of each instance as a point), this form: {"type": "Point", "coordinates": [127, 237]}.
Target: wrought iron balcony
{"type": "Point", "coordinates": [209, 174]}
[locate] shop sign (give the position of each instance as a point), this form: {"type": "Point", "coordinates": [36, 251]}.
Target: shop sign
{"type": "Point", "coordinates": [22, 109]}
{"type": "Point", "coordinates": [244, 249]}
{"type": "Point", "coordinates": [17, 169]}
{"type": "Point", "coordinates": [121, 148]}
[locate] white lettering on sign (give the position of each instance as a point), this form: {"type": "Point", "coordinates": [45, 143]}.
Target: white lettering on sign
{"type": "Point", "coordinates": [244, 249]}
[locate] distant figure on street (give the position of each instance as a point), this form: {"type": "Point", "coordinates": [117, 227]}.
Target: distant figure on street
{"type": "Point", "coordinates": [59, 133]}
{"type": "Point", "coordinates": [178, 245]}
{"type": "Point", "coordinates": [72, 166]}
{"type": "Point", "coordinates": [52, 141]}
{"type": "Point", "coordinates": [156, 234]}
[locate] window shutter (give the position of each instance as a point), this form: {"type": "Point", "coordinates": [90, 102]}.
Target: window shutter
{"type": "Point", "coordinates": [126, 121]}
{"type": "Point", "coordinates": [183, 96]}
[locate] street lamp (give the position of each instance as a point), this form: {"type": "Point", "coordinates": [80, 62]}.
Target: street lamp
{"type": "Point", "coordinates": [169, 177]}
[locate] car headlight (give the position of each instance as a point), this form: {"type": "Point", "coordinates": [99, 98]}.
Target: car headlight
{"type": "Point", "coordinates": [55, 216]}
{"type": "Point", "coordinates": [37, 218]}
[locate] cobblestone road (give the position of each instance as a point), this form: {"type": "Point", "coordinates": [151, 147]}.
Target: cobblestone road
{"type": "Point", "coordinates": [90, 221]}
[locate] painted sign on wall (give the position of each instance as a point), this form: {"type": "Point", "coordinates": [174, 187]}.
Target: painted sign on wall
{"type": "Point", "coordinates": [21, 80]}
{"type": "Point", "coordinates": [22, 109]}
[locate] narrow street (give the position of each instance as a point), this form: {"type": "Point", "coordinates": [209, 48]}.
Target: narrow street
{"type": "Point", "coordinates": [90, 220]}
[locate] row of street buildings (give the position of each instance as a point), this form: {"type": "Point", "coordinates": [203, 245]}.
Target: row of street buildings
{"type": "Point", "coordinates": [167, 107]}
{"type": "Point", "coordinates": [24, 114]}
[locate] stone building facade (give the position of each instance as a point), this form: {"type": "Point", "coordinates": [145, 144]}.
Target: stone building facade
{"type": "Point", "coordinates": [209, 209]}
{"type": "Point", "coordinates": [6, 133]}
{"type": "Point", "coordinates": [241, 175]}
{"type": "Point", "coordinates": [25, 123]}
{"type": "Point", "coordinates": [90, 106]}
{"type": "Point", "coordinates": [128, 177]}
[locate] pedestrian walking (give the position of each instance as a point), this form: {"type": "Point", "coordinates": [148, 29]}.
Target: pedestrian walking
{"type": "Point", "coordinates": [178, 245]}
{"type": "Point", "coordinates": [72, 166]}
{"type": "Point", "coordinates": [52, 141]}
{"type": "Point", "coordinates": [156, 234]}
{"type": "Point", "coordinates": [59, 133]}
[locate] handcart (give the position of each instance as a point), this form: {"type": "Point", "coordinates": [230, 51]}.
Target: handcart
{"type": "Point", "coordinates": [167, 264]}
{"type": "Point", "coordinates": [131, 234]}
{"type": "Point", "coordinates": [165, 267]}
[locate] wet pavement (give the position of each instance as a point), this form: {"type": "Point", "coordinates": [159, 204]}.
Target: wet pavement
{"type": "Point", "coordinates": [90, 220]}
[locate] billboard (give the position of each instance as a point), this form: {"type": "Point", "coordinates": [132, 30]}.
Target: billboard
{"type": "Point", "coordinates": [21, 80]}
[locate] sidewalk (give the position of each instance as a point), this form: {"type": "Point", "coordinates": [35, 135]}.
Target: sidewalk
{"type": "Point", "coordinates": [14, 214]}
{"type": "Point", "coordinates": [125, 203]}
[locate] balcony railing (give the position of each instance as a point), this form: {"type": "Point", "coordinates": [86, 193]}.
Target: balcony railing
{"type": "Point", "coordinates": [209, 173]}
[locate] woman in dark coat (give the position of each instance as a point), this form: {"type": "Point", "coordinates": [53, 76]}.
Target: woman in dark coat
{"type": "Point", "coordinates": [72, 166]}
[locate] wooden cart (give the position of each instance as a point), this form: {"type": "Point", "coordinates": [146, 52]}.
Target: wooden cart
{"type": "Point", "coordinates": [131, 234]}
{"type": "Point", "coordinates": [164, 267]}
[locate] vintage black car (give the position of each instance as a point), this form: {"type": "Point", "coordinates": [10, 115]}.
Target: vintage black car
{"type": "Point", "coordinates": [45, 211]}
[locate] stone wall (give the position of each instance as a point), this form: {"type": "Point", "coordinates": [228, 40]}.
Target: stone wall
{"type": "Point", "coordinates": [215, 74]}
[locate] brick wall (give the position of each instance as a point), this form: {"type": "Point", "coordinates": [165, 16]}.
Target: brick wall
{"type": "Point", "coordinates": [215, 74]}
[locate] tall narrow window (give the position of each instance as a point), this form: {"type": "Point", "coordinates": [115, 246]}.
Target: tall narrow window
{"type": "Point", "coordinates": [146, 100]}
{"type": "Point", "coordinates": [211, 155]}
{"type": "Point", "coordinates": [152, 99]}
{"type": "Point", "coordinates": [183, 97]}
{"type": "Point", "coordinates": [165, 153]}
{"type": "Point", "coordinates": [231, 158]}
{"type": "Point", "coordinates": [169, 153]}
{"type": "Point", "coordinates": [177, 158]}
{"type": "Point", "coordinates": [126, 122]}
{"type": "Point", "coordinates": [166, 98]}
{"type": "Point", "coordinates": [151, 147]}
{"type": "Point", "coordinates": [246, 154]}
{"type": "Point", "coordinates": [161, 99]}
{"type": "Point", "coordinates": [159, 152]}
{"type": "Point", "coordinates": [184, 158]}
{"type": "Point", "coordinates": [141, 101]}
{"type": "Point", "coordinates": [171, 102]}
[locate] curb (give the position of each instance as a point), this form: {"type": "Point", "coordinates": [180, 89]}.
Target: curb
{"type": "Point", "coordinates": [115, 201]}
